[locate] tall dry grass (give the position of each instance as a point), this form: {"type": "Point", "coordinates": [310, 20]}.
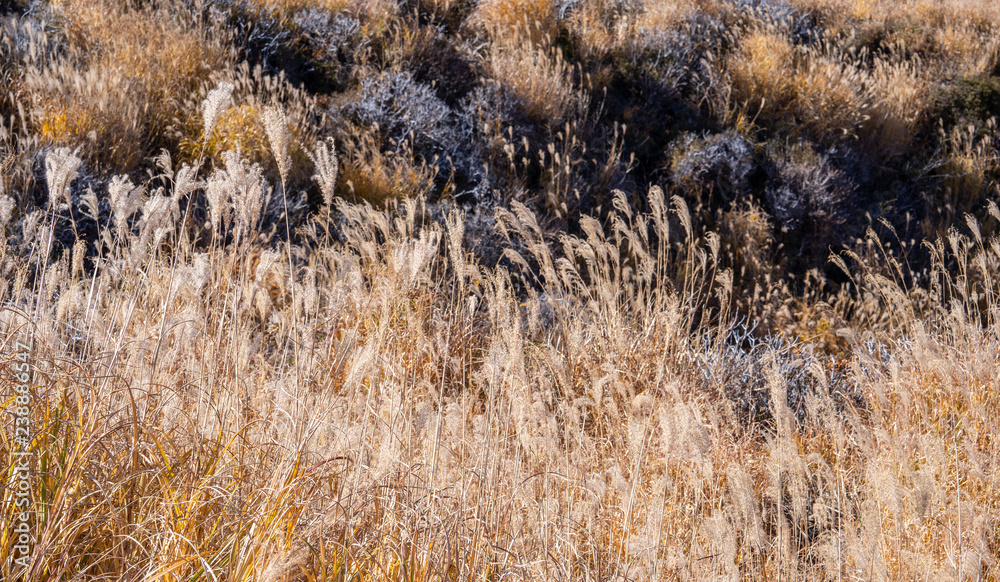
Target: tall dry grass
{"type": "Point", "coordinates": [112, 86]}
{"type": "Point", "coordinates": [230, 385]}
{"type": "Point", "coordinates": [386, 408]}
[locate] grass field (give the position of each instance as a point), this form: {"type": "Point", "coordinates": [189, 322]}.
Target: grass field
{"type": "Point", "coordinates": [504, 290]}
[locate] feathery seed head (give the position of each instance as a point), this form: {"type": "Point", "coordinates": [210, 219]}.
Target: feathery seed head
{"type": "Point", "coordinates": [456, 232]}
{"type": "Point", "coordinates": [185, 182]}
{"type": "Point", "coordinates": [125, 198]}
{"type": "Point", "coordinates": [165, 163]}
{"type": "Point", "coordinates": [190, 279]}
{"type": "Point", "coordinates": [267, 260]}
{"type": "Point", "coordinates": [91, 207]}
{"type": "Point", "coordinates": [248, 189]}
{"type": "Point", "coordinates": [276, 125]}
{"type": "Point", "coordinates": [681, 209]}
{"type": "Point", "coordinates": [29, 226]}
{"type": "Point", "coordinates": [214, 104]}
{"type": "Point", "coordinates": [219, 191]}
{"type": "Point", "coordinates": [61, 168]}
{"type": "Point", "coordinates": [324, 157]}
{"type": "Point", "coordinates": [160, 214]}
{"type": "Point", "coordinates": [158, 210]}
{"type": "Point", "coordinates": [79, 253]}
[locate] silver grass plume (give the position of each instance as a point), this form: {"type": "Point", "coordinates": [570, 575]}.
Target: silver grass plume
{"type": "Point", "coordinates": [185, 181]}
{"type": "Point", "coordinates": [79, 254]}
{"type": "Point", "coordinates": [61, 168]}
{"type": "Point", "coordinates": [267, 260]}
{"type": "Point", "coordinates": [125, 197]}
{"type": "Point", "coordinates": [160, 216]}
{"type": "Point", "coordinates": [164, 163]}
{"type": "Point", "coordinates": [190, 279]}
{"type": "Point", "coordinates": [214, 104]}
{"type": "Point", "coordinates": [29, 226]}
{"type": "Point", "coordinates": [219, 191]}
{"type": "Point", "coordinates": [91, 207]}
{"type": "Point", "coordinates": [324, 157]}
{"type": "Point", "coordinates": [248, 189]}
{"type": "Point", "coordinates": [276, 125]}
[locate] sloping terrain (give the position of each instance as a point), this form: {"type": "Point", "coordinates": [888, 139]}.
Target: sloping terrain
{"type": "Point", "coordinates": [445, 290]}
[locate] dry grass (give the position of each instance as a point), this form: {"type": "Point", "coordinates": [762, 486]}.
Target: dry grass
{"type": "Point", "coordinates": [231, 384]}
{"type": "Point", "coordinates": [390, 409]}
{"type": "Point", "coordinates": [380, 178]}
{"type": "Point", "coordinates": [970, 159]}
{"type": "Point", "coordinates": [539, 76]}
{"type": "Point", "coordinates": [118, 88]}
{"type": "Point", "coordinates": [292, 6]}
{"type": "Point", "coordinates": [501, 17]}
{"type": "Point", "coordinates": [827, 97]}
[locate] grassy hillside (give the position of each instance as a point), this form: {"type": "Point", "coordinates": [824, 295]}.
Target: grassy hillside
{"type": "Point", "coordinates": [517, 289]}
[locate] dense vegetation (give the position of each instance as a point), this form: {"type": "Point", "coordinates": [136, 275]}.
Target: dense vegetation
{"type": "Point", "coordinates": [454, 290]}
